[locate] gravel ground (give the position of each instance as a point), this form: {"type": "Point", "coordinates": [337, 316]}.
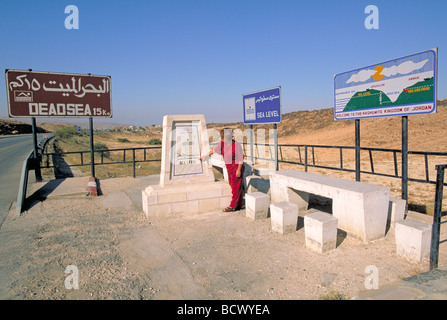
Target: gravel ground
{"type": "Point", "coordinates": [119, 254]}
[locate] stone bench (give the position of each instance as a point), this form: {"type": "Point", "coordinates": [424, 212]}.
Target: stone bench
{"type": "Point", "coordinates": [361, 208]}
{"type": "Point", "coordinates": [257, 205]}
{"type": "Point", "coordinates": [320, 230]}
{"type": "Point", "coordinates": [413, 239]}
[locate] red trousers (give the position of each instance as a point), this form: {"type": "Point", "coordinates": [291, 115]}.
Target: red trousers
{"type": "Point", "coordinates": [237, 185]}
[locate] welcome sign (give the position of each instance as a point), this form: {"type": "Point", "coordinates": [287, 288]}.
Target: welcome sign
{"type": "Point", "coordinates": [397, 87]}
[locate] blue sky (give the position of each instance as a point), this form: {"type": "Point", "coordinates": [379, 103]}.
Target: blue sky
{"type": "Point", "coordinates": [186, 57]}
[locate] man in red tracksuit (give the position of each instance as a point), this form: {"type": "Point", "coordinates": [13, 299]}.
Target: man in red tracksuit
{"type": "Point", "coordinates": [233, 156]}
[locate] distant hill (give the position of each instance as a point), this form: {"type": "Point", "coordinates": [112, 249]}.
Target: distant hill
{"type": "Point", "coordinates": [426, 132]}
{"type": "Point", "coordinates": [14, 127]}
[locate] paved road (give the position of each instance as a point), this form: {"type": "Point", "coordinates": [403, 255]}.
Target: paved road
{"type": "Point", "coordinates": [13, 151]}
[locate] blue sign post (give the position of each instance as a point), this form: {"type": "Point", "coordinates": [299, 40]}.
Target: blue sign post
{"type": "Point", "coordinates": [263, 107]}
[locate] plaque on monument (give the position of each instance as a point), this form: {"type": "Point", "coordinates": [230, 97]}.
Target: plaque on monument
{"type": "Point", "coordinates": [186, 149]}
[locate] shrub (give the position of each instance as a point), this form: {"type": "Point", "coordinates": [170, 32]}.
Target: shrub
{"type": "Point", "coordinates": [66, 132]}
{"type": "Point", "coordinates": [334, 295]}
{"type": "Point", "coordinates": [154, 141]}
{"type": "Point", "coordinates": [101, 146]}
{"type": "Point", "coordinates": [123, 140]}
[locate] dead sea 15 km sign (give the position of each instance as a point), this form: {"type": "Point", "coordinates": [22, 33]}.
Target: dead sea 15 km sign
{"type": "Point", "coordinates": [398, 87]}
{"type": "Point", "coordinates": [49, 94]}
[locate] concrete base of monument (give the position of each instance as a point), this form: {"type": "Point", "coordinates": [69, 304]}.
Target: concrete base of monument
{"type": "Point", "coordinates": [185, 200]}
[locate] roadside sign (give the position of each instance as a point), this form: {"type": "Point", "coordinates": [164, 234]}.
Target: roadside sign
{"type": "Point", "coordinates": [262, 106]}
{"type": "Point", "coordinates": [398, 87]}
{"type": "Point", "coordinates": [49, 94]}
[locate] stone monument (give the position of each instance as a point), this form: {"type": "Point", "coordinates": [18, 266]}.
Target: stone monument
{"type": "Point", "coordinates": [187, 185]}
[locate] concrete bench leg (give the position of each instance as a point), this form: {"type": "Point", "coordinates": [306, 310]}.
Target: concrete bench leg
{"type": "Point", "coordinates": [320, 230]}
{"type": "Point", "coordinates": [413, 239]}
{"type": "Point", "coordinates": [284, 217]}
{"type": "Point", "coordinates": [396, 211]}
{"type": "Point", "coordinates": [257, 205]}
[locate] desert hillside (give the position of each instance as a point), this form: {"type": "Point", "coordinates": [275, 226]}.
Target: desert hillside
{"type": "Point", "coordinates": [318, 127]}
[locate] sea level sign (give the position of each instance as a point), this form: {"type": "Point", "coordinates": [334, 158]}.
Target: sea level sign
{"type": "Point", "coordinates": [262, 106]}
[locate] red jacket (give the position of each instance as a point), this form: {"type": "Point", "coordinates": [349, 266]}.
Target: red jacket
{"type": "Point", "coordinates": [232, 154]}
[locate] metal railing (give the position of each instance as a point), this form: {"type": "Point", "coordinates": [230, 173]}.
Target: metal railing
{"type": "Point", "coordinates": [30, 163]}
{"type": "Point", "coordinates": [306, 157]}
{"type": "Point", "coordinates": [103, 156]}
{"type": "Point", "coordinates": [304, 152]}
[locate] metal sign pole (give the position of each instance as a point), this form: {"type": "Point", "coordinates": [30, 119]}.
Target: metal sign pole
{"type": "Point", "coordinates": [92, 151]}
{"type": "Point", "coordinates": [36, 159]}
{"type": "Point", "coordinates": [405, 158]}
{"type": "Point", "coordinates": [251, 145]}
{"type": "Point", "coordinates": [34, 131]}
{"type": "Point", "coordinates": [357, 149]}
{"type": "Point", "coordinates": [275, 140]}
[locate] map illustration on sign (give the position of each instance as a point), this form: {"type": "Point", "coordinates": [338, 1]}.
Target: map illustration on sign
{"type": "Point", "coordinates": [398, 87]}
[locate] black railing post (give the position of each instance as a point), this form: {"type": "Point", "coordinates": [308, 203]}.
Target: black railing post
{"type": "Point", "coordinates": [405, 158]}
{"type": "Point", "coordinates": [396, 171]}
{"type": "Point", "coordinates": [357, 149]}
{"type": "Point", "coordinates": [371, 161]}
{"type": "Point", "coordinates": [436, 227]}
{"type": "Point", "coordinates": [133, 162]}
{"type": "Point", "coordinates": [305, 158]}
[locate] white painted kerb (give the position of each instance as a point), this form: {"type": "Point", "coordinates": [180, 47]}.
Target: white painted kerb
{"type": "Point", "coordinates": [361, 208]}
